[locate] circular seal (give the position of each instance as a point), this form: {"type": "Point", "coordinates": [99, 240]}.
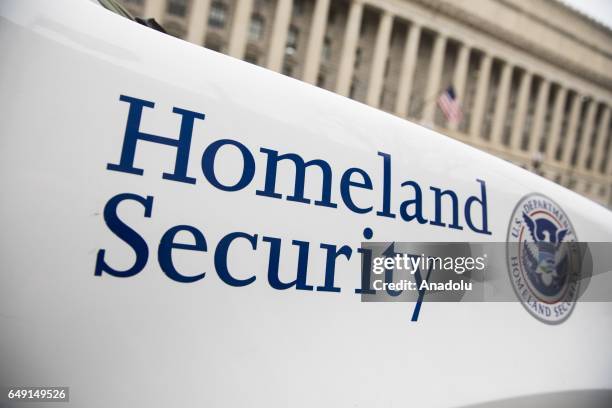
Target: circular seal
{"type": "Point", "coordinates": [543, 258]}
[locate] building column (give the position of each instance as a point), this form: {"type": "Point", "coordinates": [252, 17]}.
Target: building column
{"type": "Point", "coordinates": [155, 9]}
{"type": "Point", "coordinates": [501, 105]}
{"type": "Point", "coordinates": [602, 135]}
{"type": "Point", "coordinates": [432, 92]}
{"type": "Point", "coordinates": [347, 58]}
{"type": "Point", "coordinates": [315, 41]}
{"type": "Point", "coordinates": [198, 21]}
{"type": "Point", "coordinates": [379, 60]}
{"type": "Point", "coordinates": [585, 138]}
{"type": "Point", "coordinates": [482, 87]}
{"type": "Point", "coordinates": [520, 115]}
{"type": "Point", "coordinates": [240, 28]}
{"type": "Point", "coordinates": [459, 79]}
{"type": "Point", "coordinates": [555, 126]}
{"type": "Point", "coordinates": [278, 39]}
{"type": "Point", "coordinates": [539, 116]}
{"type": "Point", "coordinates": [608, 169]}
{"type": "Point", "coordinates": [409, 59]}
{"type": "Point", "coordinates": [570, 137]}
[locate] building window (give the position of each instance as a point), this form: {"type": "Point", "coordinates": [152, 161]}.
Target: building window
{"type": "Point", "coordinates": [358, 55]}
{"type": "Point", "coordinates": [326, 49]}
{"type": "Point", "coordinates": [135, 2]}
{"type": "Point", "coordinates": [331, 17]}
{"type": "Point", "coordinates": [321, 81]}
{"type": "Point", "coordinates": [214, 44]}
{"type": "Point", "coordinates": [298, 7]}
{"type": "Point", "coordinates": [175, 30]}
{"type": "Point", "coordinates": [287, 69]}
{"type": "Point", "coordinates": [292, 40]}
{"type": "Point", "coordinates": [251, 57]}
{"type": "Point", "coordinates": [256, 28]}
{"type": "Point", "coordinates": [353, 89]}
{"type": "Point", "coordinates": [218, 14]}
{"type": "Point", "coordinates": [177, 7]}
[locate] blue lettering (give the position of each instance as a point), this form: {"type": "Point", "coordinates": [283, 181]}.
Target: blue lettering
{"type": "Point", "coordinates": [126, 234]}
{"type": "Point", "coordinates": [133, 134]}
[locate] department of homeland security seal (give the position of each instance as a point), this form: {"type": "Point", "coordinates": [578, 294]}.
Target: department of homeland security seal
{"type": "Point", "coordinates": [543, 258]}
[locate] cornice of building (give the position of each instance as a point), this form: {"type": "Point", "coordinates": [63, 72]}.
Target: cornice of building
{"type": "Point", "coordinates": [560, 29]}
{"type": "Point", "coordinates": [488, 27]}
{"type": "Point", "coordinates": [577, 13]}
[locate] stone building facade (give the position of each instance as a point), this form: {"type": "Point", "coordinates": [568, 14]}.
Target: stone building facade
{"type": "Point", "coordinates": [534, 78]}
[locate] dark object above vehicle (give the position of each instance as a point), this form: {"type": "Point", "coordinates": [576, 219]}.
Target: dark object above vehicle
{"type": "Point", "coordinates": [117, 8]}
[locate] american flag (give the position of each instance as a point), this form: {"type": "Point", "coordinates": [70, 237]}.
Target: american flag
{"type": "Point", "coordinates": [449, 105]}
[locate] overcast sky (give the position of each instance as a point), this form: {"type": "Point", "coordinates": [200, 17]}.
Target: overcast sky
{"type": "Point", "coordinates": [600, 10]}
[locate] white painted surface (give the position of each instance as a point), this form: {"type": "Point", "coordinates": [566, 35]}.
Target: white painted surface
{"type": "Point", "coordinates": [149, 341]}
